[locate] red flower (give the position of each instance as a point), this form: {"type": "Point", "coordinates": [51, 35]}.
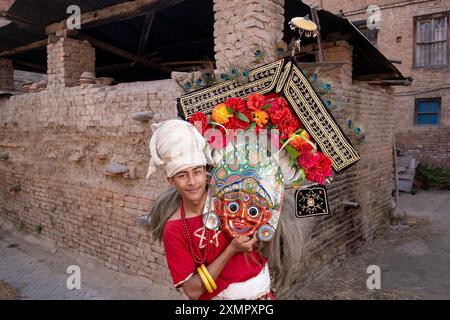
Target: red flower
{"type": "Point", "coordinates": [308, 160]}
{"type": "Point", "coordinates": [280, 102]}
{"type": "Point", "coordinates": [236, 104]}
{"type": "Point", "coordinates": [283, 117]}
{"type": "Point", "coordinates": [325, 162]}
{"type": "Point", "coordinates": [315, 175]}
{"type": "Point", "coordinates": [289, 125]}
{"type": "Point", "coordinates": [272, 95]}
{"type": "Point", "coordinates": [256, 101]}
{"type": "Point", "coordinates": [200, 121]}
{"type": "Point", "coordinates": [277, 114]}
{"type": "Point", "coordinates": [301, 145]}
{"type": "Point", "coordinates": [321, 170]}
{"type": "Point", "coordinates": [235, 123]}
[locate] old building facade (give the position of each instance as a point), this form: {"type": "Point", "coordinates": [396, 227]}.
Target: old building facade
{"type": "Point", "coordinates": [59, 142]}
{"type": "Point", "coordinates": [414, 34]}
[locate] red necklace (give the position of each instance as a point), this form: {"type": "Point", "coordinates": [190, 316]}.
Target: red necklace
{"type": "Point", "coordinates": [198, 260]}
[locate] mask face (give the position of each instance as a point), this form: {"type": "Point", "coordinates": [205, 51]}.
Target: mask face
{"type": "Point", "coordinates": [242, 213]}
{"type": "Point", "coordinates": [246, 189]}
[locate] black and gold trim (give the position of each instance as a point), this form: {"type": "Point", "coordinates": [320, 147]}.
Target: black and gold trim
{"type": "Point", "coordinates": [311, 201]}
{"type": "Point", "coordinates": [261, 80]}
{"type": "Point", "coordinates": [318, 121]}
{"type": "Point", "coordinates": [284, 77]}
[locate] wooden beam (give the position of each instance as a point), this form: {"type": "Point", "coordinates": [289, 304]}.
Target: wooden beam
{"type": "Point", "coordinates": [381, 76]}
{"type": "Point", "coordinates": [121, 53]}
{"type": "Point", "coordinates": [121, 11]}
{"type": "Point", "coordinates": [32, 26]}
{"type": "Point", "coordinates": [121, 66]}
{"type": "Point", "coordinates": [30, 65]}
{"type": "Point", "coordinates": [145, 33]}
{"type": "Point", "coordinates": [405, 82]}
{"type": "Point", "coordinates": [315, 19]}
{"type": "Point", "coordinates": [113, 67]}
{"type": "Point", "coordinates": [28, 47]}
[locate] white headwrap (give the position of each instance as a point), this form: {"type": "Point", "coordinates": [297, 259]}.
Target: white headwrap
{"type": "Point", "coordinates": [177, 144]}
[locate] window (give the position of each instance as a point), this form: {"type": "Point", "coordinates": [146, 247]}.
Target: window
{"type": "Point", "coordinates": [370, 34]}
{"type": "Point", "coordinates": [431, 41]}
{"type": "Point", "coordinates": [427, 112]}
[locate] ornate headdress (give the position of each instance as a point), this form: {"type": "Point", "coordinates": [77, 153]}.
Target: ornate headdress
{"type": "Point", "coordinates": [277, 95]}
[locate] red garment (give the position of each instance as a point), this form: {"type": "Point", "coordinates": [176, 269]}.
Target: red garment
{"type": "Point", "coordinates": [240, 267]}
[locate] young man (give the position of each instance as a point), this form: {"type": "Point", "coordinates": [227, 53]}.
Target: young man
{"type": "Point", "coordinates": [235, 269]}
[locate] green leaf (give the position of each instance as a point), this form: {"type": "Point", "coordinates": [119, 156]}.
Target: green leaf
{"type": "Point", "coordinates": [292, 162]}
{"type": "Point", "coordinates": [292, 152]}
{"type": "Point", "coordinates": [266, 107]}
{"type": "Point", "coordinates": [252, 126]}
{"type": "Point", "coordinates": [299, 131]}
{"type": "Point", "coordinates": [229, 110]}
{"type": "Point", "coordinates": [242, 116]}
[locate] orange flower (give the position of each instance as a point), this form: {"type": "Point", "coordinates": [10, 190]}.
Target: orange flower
{"type": "Point", "coordinates": [220, 114]}
{"type": "Point", "coordinates": [299, 143]}
{"type": "Point", "coordinates": [260, 118]}
{"type": "Point", "coordinates": [305, 134]}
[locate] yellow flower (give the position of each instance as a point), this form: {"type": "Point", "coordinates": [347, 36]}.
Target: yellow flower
{"type": "Point", "coordinates": [305, 134]}
{"type": "Point", "coordinates": [260, 118]}
{"type": "Point", "coordinates": [299, 140]}
{"type": "Point", "coordinates": [220, 114]}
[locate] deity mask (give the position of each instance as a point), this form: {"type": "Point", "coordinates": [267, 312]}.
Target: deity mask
{"type": "Point", "coordinates": [247, 191]}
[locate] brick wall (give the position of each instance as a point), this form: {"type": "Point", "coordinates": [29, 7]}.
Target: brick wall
{"type": "Point", "coordinates": [396, 41]}
{"type": "Point", "coordinates": [6, 75]}
{"type": "Point", "coordinates": [59, 142]}
{"type": "Point", "coordinates": [242, 27]}
{"type": "Point", "coordinates": [332, 238]}
{"type": "Point", "coordinates": [428, 145]}
{"type": "Point", "coordinates": [67, 59]}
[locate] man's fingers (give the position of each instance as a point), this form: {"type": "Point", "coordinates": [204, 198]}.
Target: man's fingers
{"type": "Point", "coordinates": [253, 240]}
{"type": "Point", "coordinates": [244, 239]}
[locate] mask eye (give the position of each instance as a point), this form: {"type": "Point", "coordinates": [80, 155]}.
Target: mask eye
{"type": "Point", "coordinates": [253, 211]}
{"type": "Point", "coordinates": [233, 207]}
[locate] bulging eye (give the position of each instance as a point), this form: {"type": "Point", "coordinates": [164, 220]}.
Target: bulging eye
{"type": "Point", "coordinates": [253, 211]}
{"type": "Point", "coordinates": [233, 207]}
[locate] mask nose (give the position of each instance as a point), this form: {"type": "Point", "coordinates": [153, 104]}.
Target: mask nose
{"type": "Point", "coordinates": [242, 212]}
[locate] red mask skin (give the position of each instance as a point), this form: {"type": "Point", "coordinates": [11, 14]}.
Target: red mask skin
{"type": "Point", "coordinates": [242, 213]}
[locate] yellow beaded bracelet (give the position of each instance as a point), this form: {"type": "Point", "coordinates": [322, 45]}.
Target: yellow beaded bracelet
{"type": "Point", "coordinates": [208, 276]}
{"type": "Point", "coordinates": [204, 279]}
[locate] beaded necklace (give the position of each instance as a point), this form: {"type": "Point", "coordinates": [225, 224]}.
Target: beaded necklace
{"type": "Point", "coordinates": [198, 260]}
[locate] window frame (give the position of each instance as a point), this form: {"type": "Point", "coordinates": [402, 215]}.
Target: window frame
{"type": "Point", "coordinates": [362, 24]}
{"type": "Point", "coordinates": [416, 112]}
{"type": "Point", "coordinates": [431, 17]}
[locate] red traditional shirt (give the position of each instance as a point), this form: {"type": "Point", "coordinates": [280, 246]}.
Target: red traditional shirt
{"type": "Point", "coordinates": [240, 267]}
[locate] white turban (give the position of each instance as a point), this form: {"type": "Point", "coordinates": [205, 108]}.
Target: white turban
{"type": "Point", "coordinates": [177, 144]}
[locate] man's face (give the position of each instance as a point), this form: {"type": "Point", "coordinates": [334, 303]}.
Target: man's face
{"type": "Point", "coordinates": [242, 213]}
{"type": "Point", "coordinates": [190, 183]}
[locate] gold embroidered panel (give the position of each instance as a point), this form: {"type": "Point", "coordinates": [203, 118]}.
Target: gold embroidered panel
{"type": "Point", "coordinates": [318, 121]}
{"type": "Point", "coordinates": [284, 77]}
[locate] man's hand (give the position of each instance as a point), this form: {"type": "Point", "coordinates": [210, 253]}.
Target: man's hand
{"type": "Point", "coordinates": [242, 244]}
{"type": "Point", "coordinates": [194, 287]}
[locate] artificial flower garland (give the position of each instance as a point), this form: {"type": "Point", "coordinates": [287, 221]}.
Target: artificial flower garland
{"type": "Point", "coordinates": [269, 111]}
